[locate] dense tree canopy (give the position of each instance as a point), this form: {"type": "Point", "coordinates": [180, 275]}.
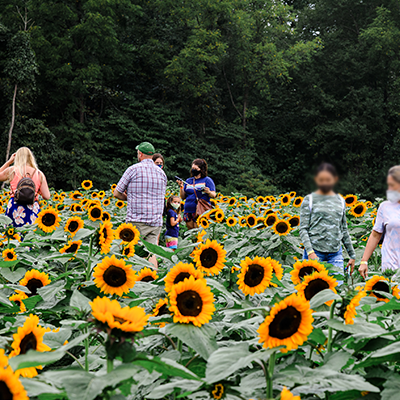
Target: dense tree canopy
{"type": "Point", "coordinates": [263, 90]}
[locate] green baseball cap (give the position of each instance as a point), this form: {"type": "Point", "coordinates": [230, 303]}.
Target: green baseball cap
{"type": "Point", "coordinates": [146, 148]}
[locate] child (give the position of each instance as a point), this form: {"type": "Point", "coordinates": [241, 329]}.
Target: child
{"type": "Point", "coordinates": [173, 219]}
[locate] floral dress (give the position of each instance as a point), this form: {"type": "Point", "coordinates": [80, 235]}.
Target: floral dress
{"type": "Point", "coordinates": [22, 215]}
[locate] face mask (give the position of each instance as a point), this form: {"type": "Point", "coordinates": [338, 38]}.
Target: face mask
{"type": "Point", "coordinates": [325, 188]}
{"type": "Point", "coordinates": [175, 205]}
{"type": "Point", "coordinates": [195, 172]}
{"type": "Point", "coordinates": [393, 196]}
{"type": "Point", "coordinates": [159, 165]}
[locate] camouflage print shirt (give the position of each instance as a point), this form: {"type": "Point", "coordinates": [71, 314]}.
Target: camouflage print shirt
{"type": "Point", "coordinates": [324, 228]}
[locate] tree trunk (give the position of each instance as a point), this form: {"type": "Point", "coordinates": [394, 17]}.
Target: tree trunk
{"type": "Point", "coordinates": [12, 122]}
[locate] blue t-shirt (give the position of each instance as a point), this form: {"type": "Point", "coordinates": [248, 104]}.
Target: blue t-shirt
{"type": "Point", "coordinates": [191, 202]}
{"type": "Point", "coordinates": [172, 231]}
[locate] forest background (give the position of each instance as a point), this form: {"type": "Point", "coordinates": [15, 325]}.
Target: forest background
{"type": "Point", "coordinates": [263, 90]}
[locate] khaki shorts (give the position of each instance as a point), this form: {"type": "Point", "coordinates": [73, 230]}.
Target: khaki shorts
{"type": "Point", "coordinates": [148, 233]}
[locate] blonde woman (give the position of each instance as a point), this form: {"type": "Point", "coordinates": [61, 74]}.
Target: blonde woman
{"type": "Point", "coordinates": [24, 166]}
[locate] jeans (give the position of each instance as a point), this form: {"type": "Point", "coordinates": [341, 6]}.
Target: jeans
{"type": "Point", "coordinates": [336, 259]}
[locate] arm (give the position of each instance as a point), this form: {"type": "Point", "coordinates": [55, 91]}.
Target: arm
{"type": "Point", "coordinates": [121, 196]}
{"type": "Point", "coordinates": [347, 244]}
{"type": "Point", "coordinates": [305, 216]}
{"type": "Point", "coordinates": [174, 221]}
{"type": "Point", "coordinates": [5, 169]}
{"type": "Point", "coordinates": [373, 241]}
{"type": "Point", "coordinates": [181, 189]}
{"type": "Point", "coordinates": [44, 187]}
{"type": "Point", "coordinates": [122, 186]}
{"type": "Point", "coordinates": [210, 188]}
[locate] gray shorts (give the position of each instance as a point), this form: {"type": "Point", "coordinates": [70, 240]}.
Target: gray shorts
{"type": "Point", "coordinates": [148, 233]}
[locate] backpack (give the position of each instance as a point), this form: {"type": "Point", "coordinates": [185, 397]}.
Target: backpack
{"type": "Point", "coordinates": [25, 192]}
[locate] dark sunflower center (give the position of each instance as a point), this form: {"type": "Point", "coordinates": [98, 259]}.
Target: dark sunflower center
{"type": "Point", "coordinates": [254, 275]}
{"type": "Point", "coordinates": [48, 219]}
{"type": "Point", "coordinates": [78, 208]}
{"type": "Point", "coordinates": [72, 249]}
{"type": "Point", "coordinates": [181, 277]}
{"type": "Point", "coordinates": [294, 222]}
{"type": "Point", "coordinates": [5, 393]}
{"type": "Point", "coordinates": [251, 221]}
{"type": "Point", "coordinates": [189, 303]}
{"type": "Point", "coordinates": [105, 217]}
{"type": "Point", "coordinates": [33, 285]}
{"type": "Point", "coordinates": [381, 287]}
{"type": "Point", "coordinates": [358, 209]}
{"type": "Point", "coordinates": [86, 184]}
{"type": "Point", "coordinates": [208, 258]}
{"type": "Point", "coordinates": [163, 310]}
{"type": "Point", "coordinates": [17, 302]}
{"type": "Point", "coordinates": [282, 227]}
{"type": "Point", "coordinates": [297, 202]}
{"type": "Point", "coordinates": [349, 200]}
{"type": "Point", "coordinates": [29, 342]}
{"type": "Point", "coordinates": [271, 220]}
{"type": "Point", "coordinates": [315, 287]}
{"type": "Point", "coordinates": [10, 255]}
{"type": "Point", "coordinates": [218, 391]}
{"type": "Point", "coordinates": [95, 212]}
{"type": "Point", "coordinates": [73, 226]}
{"type": "Point", "coordinates": [127, 250]}
{"type": "Point", "coordinates": [105, 234]}
{"type": "Point", "coordinates": [120, 320]}
{"type": "Point", "coordinates": [127, 235]}
{"type": "Point", "coordinates": [147, 278]}
{"type": "Point", "coordinates": [114, 276]}
{"type": "Point", "coordinates": [286, 323]}
{"type": "Point", "coordinates": [306, 271]}
{"type": "Point", "coordinates": [285, 199]}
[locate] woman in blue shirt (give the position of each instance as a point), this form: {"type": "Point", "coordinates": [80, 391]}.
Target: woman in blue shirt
{"type": "Point", "coordinates": [199, 186]}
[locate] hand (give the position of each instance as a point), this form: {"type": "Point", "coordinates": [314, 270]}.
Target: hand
{"type": "Point", "coordinates": [352, 264]}
{"type": "Point", "coordinates": [206, 190]}
{"type": "Point", "coordinates": [363, 270]}
{"type": "Point", "coordinates": [313, 256]}
{"type": "Point", "coordinates": [11, 160]}
{"type": "Point", "coordinates": [180, 218]}
{"type": "Point", "coordinates": [180, 183]}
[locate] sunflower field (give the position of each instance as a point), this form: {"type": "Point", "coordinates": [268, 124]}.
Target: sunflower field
{"type": "Point", "coordinates": [232, 314]}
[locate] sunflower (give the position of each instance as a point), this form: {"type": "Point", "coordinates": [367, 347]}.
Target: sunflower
{"type": "Point", "coordinates": [94, 213]}
{"type": "Point", "coordinates": [276, 269]}
{"type": "Point", "coordinates": [288, 324]}
{"type": "Point", "coordinates": [28, 337]}
{"type": "Point", "coordinates": [161, 308]}
{"type": "Point", "coordinates": [303, 268]}
{"type": "Point", "coordinates": [94, 195]}
{"type": "Point", "coordinates": [113, 276]}
{"type": "Point", "coordinates": [285, 200]}
{"type": "Point", "coordinates": [192, 301]}
{"type": "Point", "coordinates": [351, 312]}
{"type": "Point", "coordinates": [242, 221]}
{"type": "Point", "coordinates": [76, 208]}
{"type": "Point", "coordinates": [270, 220]}
{"type": "Point", "coordinates": [105, 216]}
{"type": "Point", "coordinates": [71, 247]}
{"type": "Point", "coordinates": [146, 275]}
{"type": "Point", "coordinates": [286, 216]}
{"type": "Point", "coordinates": [251, 220]}
{"type": "Point", "coordinates": [73, 225]}
{"type": "Point", "coordinates": [203, 222]}
{"type": "Point", "coordinates": [87, 184]}
{"type": "Point", "coordinates": [18, 298]}
{"type": "Point", "coordinates": [126, 319]}
{"type": "Point", "coordinates": [48, 220]}
{"type": "Point", "coordinates": [210, 257]}
{"type": "Point", "coordinates": [315, 283]}
{"type": "Point", "coordinates": [120, 204]}
{"type": "Point", "coordinates": [378, 283]}
{"type": "Point", "coordinates": [128, 233]}
{"type": "Point", "coordinates": [200, 236]}
{"type": "Point", "coordinates": [179, 273]}
{"type": "Point", "coordinates": [101, 194]}
{"type": "Point", "coordinates": [281, 227]}
{"type": "Point", "coordinates": [350, 200]}
{"type": "Point", "coordinates": [219, 215]}
{"type": "Point", "coordinates": [10, 232]}
{"type": "Point", "coordinates": [75, 195]}
{"type": "Point", "coordinates": [218, 391]}
{"type": "Point", "coordinates": [106, 237]}
{"type": "Point", "coordinates": [113, 186]}
{"type": "Point", "coordinates": [369, 204]}
{"type": "Point", "coordinates": [260, 199]}
{"type": "Point", "coordinates": [34, 280]}
{"type": "Point", "coordinates": [358, 210]}
{"type": "Point", "coordinates": [287, 395]}
{"type": "Point", "coordinates": [106, 202]}
{"type": "Point", "coordinates": [294, 221]}
{"type": "Point", "coordinates": [297, 201]}
{"type": "Point", "coordinates": [292, 194]}
{"type": "Point", "coordinates": [128, 250]}
{"type": "Point", "coordinates": [232, 201]}
{"type": "Point", "coordinates": [231, 221]}
{"type": "Point", "coordinates": [10, 386]}
{"type": "Point", "coordinates": [255, 275]}
{"type": "Point", "coordinates": [9, 255]}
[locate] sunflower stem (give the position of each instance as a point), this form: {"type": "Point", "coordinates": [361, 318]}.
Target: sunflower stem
{"type": "Point", "coordinates": [89, 264]}
{"type": "Point", "coordinates": [110, 365]}
{"type": "Point", "coordinates": [179, 345]}
{"type": "Point", "coordinates": [86, 354]}
{"type": "Point", "coordinates": [330, 331]}
{"type": "Point", "coordinates": [270, 374]}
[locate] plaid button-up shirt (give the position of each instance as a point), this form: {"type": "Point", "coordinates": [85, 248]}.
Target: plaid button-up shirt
{"type": "Point", "coordinates": [145, 185]}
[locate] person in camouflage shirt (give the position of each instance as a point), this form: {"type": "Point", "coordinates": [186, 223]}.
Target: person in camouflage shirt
{"type": "Point", "coordinates": [323, 223]}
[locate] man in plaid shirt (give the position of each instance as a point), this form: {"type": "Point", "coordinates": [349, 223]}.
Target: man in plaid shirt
{"type": "Point", "coordinates": [143, 185]}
